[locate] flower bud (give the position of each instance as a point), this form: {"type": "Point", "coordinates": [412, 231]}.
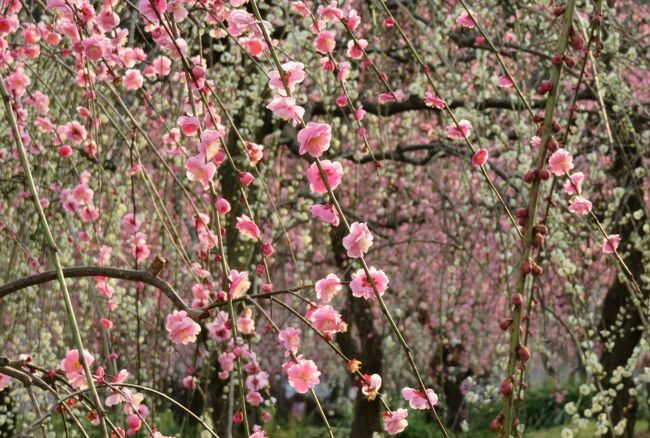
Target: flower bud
{"type": "Point", "coordinates": [506, 387]}
{"type": "Point", "coordinates": [544, 87]}
{"type": "Point", "coordinates": [523, 353]}
{"type": "Point", "coordinates": [529, 177]}
{"type": "Point", "coordinates": [543, 174]}
{"type": "Point", "coordinates": [505, 324]}
{"type": "Point", "coordinates": [517, 299]}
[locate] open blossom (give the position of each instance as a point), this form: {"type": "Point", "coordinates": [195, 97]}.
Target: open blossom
{"type": "Point", "coordinates": [325, 42]}
{"type": "Point", "coordinates": [580, 206]}
{"type": "Point", "coordinates": [333, 171]}
{"type": "Point", "coordinates": [219, 327]}
{"type": "Point", "coordinates": [358, 241]}
{"type": "Point", "coordinates": [294, 73]}
{"type": "Point", "coordinates": [211, 142]}
{"type": "Point", "coordinates": [303, 375]}
{"type": "Point", "coordinates": [460, 131]}
{"type": "Point", "coordinates": [247, 227]}
{"type": "Point", "coordinates": [285, 108]}
{"type": "Point", "coordinates": [328, 287]}
{"type": "Point", "coordinates": [73, 368]}
{"type": "Point", "coordinates": [326, 213]}
{"type": "Point", "coordinates": [327, 320]}
{"type": "Point", "coordinates": [465, 20]}
{"type": "Point", "coordinates": [181, 328]}
{"type": "Point", "coordinates": [290, 338]}
{"type": "Point", "coordinates": [361, 286]}
{"type": "Point", "coordinates": [574, 184]}
{"type": "Point", "coordinates": [245, 323]}
{"type": "Point", "coordinates": [315, 138]}
{"type": "Point", "coordinates": [355, 48]}
{"type": "Point", "coordinates": [480, 157]}
{"type": "Point", "coordinates": [610, 243]}
{"type": "Point", "coordinates": [239, 283]}
{"type": "Point", "coordinates": [370, 386]}
{"type": "Point", "coordinates": [560, 162]}
{"type": "Point", "coordinates": [395, 422]}
{"type": "Point", "coordinates": [417, 399]}
{"type": "Point", "coordinates": [197, 169]}
{"type": "Point", "coordinates": [132, 79]}
{"type": "Point", "coordinates": [433, 101]}
{"type": "Point", "coordinates": [189, 124]}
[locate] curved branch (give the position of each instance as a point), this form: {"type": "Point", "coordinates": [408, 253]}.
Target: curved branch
{"type": "Point", "coordinates": [91, 271]}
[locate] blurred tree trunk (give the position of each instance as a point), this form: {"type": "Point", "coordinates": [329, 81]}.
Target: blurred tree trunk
{"type": "Point", "coordinates": [366, 346]}
{"type": "Point", "coordinates": [620, 318]}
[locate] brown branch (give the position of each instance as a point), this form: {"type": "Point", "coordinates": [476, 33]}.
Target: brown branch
{"type": "Point", "coordinates": [92, 271]}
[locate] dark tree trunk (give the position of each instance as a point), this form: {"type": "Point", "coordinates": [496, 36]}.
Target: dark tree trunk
{"type": "Point", "coordinates": [623, 341]}
{"type": "Point", "coordinates": [620, 318]}
{"type": "Point", "coordinates": [365, 346]}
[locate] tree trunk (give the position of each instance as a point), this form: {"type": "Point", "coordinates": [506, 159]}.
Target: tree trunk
{"type": "Point", "coordinates": [366, 347]}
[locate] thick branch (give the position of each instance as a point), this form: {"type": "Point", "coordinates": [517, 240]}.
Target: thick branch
{"type": "Point", "coordinates": [92, 271]}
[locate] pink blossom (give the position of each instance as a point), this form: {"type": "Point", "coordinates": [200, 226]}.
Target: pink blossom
{"type": "Point", "coordinates": [328, 287]}
{"type": "Point", "coordinates": [161, 65]}
{"type": "Point", "coordinates": [574, 185]}
{"type": "Point", "coordinates": [327, 320]}
{"type": "Point", "coordinates": [218, 328]}
{"type": "Point", "coordinates": [254, 398]}
{"type": "Point", "coordinates": [395, 422]}
{"type": "Point", "coordinates": [460, 131]}
{"type": "Point", "coordinates": [361, 286]}
{"type": "Point", "coordinates": [189, 382]}
{"type": "Point", "coordinates": [8, 24]}
{"type": "Point", "coordinates": [358, 241]}
{"type": "Point", "coordinates": [132, 79]}
{"type": "Point", "coordinates": [333, 171]}
{"type": "Point", "coordinates": [580, 206]}
{"type": "Point", "coordinates": [355, 48]}
{"type": "Point", "coordinates": [303, 375]}
{"type": "Point", "coordinates": [197, 169]}
{"type": "Point", "coordinates": [329, 12]}
{"type": "Point", "coordinates": [285, 108]}
{"type": "Point", "coordinates": [480, 157]}
{"type": "Point", "coordinates": [93, 48]}
{"type": "Point", "coordinates": [610, 243]}
{"type": "Point", "coordinates": [134, 423]}
{"type": "Point", "coordinates": [300, 8]}
{"type": "Point", "coordinates": [325, 42]}
{"type": "Point", "coordinates": [326, 213]}
{"type": "Point", "coordinates": [290, 338]}
{"type": "Point", "coordinates": [245, 323]}
{"type": "Point", "coordinates": [253, 45]}
{"type": "Point", "coordinates": [239, 283]}
{"type": "Point", "coordinates": [465, 20]}
{"type": "Point", "coordinates": [5, 381]}
{"type": "Point", "coordinates": [73, 368]}
{"type": "Point", "coordinates": [181, 328]}
{"type": "Point", "coordinates": [255, 152]}
{"type": "Point", "coordinates": [146, 8]}
{"type": "Point", "coordinates": [222, 205]}
{"type": "Point", "coordinates": [247, 227]}
{"type": "Point", "coordinates": [293, 74]}
{"type": "Point", "coordinates": [433, 101]}
{"type": "Point", "coordinates": [315, 138]}
{"type": "Point", "coordinates": [417, 399]}
{"type": "Point", "coordinates": [504, 82]}
{"type": "Point", "coordinates": [370, 386]}
{"type": "Point", "coordinates": [189, 125]}
{"type": "Point", "coordinates": [211, 142]}
{"type": "Point", "coordinates": [560, 162]}
{"type": "Point", "coordinates": [246, 178]}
